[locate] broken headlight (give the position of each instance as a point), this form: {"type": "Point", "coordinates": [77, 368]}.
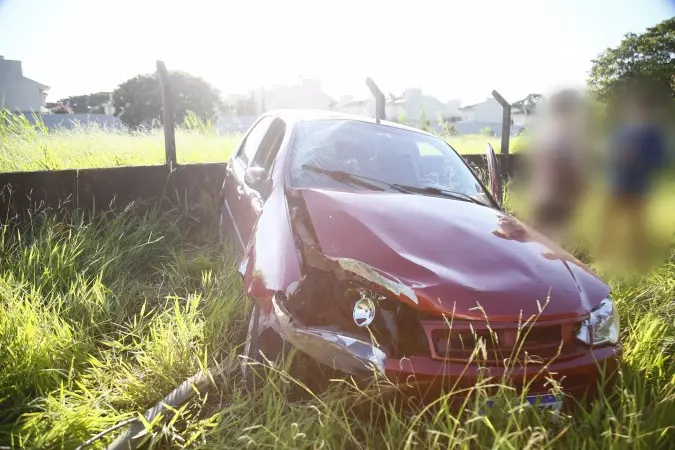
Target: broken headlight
{"type": "Point", "coordinates": [602, 327]}
{"type": "Point", "coordinates": [365, 303]}
{"type": "Point", "coordinates": [364, 311]}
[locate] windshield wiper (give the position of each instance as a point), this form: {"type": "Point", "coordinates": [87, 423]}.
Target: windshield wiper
{"type": "Point", "coordinates": [341, 175]}
{"type": "Point", "coordinates": [367, 182]}
{"type": "Point", "coordinates": [433, 190]}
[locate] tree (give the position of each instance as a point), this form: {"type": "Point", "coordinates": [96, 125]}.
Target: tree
{"type": "Point", "coordinates": [529, 103]}
{"type": "Point", "coordinates": [647, 56]}
{"type": "Point", "coordinates": [61, 108]}
{"type": "Point", "coordinates": [425, 123]}
{"type": "Point", "coordinates": [88, 104]}
{"type": "Point", "coordinates": [447, 127]}
{"type": "Point", "coordinates": [139, 99]}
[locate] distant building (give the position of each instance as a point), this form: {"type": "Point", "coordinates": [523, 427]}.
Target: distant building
{"type": "Point", "coordinates": [488, 114]}
{"type": "Point", "coordinates": [408, 105]}
{"type": "Point", "coordinates": [489, 111]}
{"type": "Point", "coordinates": [411, 104]}
{"type": "Point", "coordinates": [306, 95]}
{"type": "Point", "coordinates": [18, 93]}
{"type": "Point", "coordinates": [519, 117]}
{"type": "Point", "coordinates": [348, 105]}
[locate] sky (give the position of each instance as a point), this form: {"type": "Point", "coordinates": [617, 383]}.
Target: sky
{"type": "Point", "coordinates": [451, 49]}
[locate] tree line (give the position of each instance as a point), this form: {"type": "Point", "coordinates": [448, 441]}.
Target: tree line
{"type": "Point", "coordinates": [639, 56]}
{"type": "Point", "coordinates": [138, 101]}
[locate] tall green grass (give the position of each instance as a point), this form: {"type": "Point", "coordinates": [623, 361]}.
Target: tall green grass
{"type": "Point", "coordinates": [27, 147]}
{"type": "Point", "coordinates": [100, 319]}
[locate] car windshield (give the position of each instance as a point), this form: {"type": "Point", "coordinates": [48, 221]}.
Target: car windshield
{"type": "Point", "coordinates": [377, 156]}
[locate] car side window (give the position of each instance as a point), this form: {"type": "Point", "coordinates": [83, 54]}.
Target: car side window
{"type": "Point", "coordinates": [270, 145]}
{"type": "Point", "coordinates": [266, 154]}
{"type": "Point", "coordinates": [253, 140]}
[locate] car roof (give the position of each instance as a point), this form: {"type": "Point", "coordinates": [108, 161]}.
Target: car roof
{"type": "Point", "coordinates": [308, 115]}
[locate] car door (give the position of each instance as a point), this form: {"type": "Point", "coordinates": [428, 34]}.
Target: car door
{"type": "Point", "coordinates": [237, 197]}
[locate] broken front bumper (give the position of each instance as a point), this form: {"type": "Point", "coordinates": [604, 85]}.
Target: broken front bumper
{"type": "Point", "coordinates": [578, 376]}
{"type": "Point", "coordinates": [330, 347]}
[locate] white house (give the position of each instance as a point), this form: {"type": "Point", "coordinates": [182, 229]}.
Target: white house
{"type": "Point", "coordinates": [489, 111]}
{"type": "Point", "coordinates": [348, 105]}
{"type": "Point", "coordinates": [409, 105]}
{"type": "Point", "coordinates": [307, 94]}
{"type": "Point", "coordinates": [18, 93]}
{"type": "Point", "coordinates": [413, 101]}
{"type": "Point", "coordinates": [519, 117]}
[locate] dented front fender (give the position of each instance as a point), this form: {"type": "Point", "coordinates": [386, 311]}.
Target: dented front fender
{"type": "Point", "coordinates": [329, 346]}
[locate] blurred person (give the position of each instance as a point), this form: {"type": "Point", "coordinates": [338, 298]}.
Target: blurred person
{"type": "Point", "coordinates": [558, 164]}
{"type": "Point", "coordinates": [636, 153]}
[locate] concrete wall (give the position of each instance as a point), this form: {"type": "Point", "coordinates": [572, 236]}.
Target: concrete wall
{"type": "Point", "coordinates": [116, 187]}
{"type": "Point", "coordinates": [110, 188]}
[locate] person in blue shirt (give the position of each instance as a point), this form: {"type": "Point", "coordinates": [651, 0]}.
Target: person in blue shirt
{"type": "Point", "coordinates": [637, 152]}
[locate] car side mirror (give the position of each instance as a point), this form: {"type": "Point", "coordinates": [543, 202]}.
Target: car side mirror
{"type": "Point", "coordinates": [254, 175]}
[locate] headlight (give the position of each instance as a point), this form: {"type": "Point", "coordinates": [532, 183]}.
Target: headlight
{"type": "Point", "coordinates": [364, 312]}
{"type": "Point", "coordinates": [365, 303]}
{"type": "Point", "coordinates": [602, 327]}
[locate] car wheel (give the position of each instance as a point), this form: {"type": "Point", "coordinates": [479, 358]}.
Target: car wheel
{"type": "Point", "coordinates": [257, 344]}
{"type": "Point", "coordinates": [251, 343]}
{"type": "Point", "coordinates": [312, 374]}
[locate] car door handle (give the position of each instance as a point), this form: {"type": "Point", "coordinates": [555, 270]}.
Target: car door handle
{"type": "Point", "coordinates": [240, 192]}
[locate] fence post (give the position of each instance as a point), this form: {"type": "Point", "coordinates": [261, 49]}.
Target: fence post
{"type": "Point", "coordinates": [168, 115]}
{"type": "Point", "coordinates": [380, 111]}
{"type": "Point", "coordinates": [506, 122]}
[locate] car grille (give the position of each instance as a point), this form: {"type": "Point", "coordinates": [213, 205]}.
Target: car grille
{"type": "Point", "coordinates": [498, 344]}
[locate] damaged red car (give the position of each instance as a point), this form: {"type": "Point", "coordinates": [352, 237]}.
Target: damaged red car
{"type": "Point", "coordinates": [371, 246]}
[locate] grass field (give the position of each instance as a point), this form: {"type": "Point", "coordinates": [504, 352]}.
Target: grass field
{"type": "Point", "coordinates": [26, 148]}
{"type": "Point", "coordinates": [99, 319]}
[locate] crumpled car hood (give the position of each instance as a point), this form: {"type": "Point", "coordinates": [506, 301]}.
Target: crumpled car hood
{"type": "Point", "coordinates": [452, 257]}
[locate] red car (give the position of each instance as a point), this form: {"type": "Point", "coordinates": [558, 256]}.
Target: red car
{"type": "Point", "coordinates": [369, 245]}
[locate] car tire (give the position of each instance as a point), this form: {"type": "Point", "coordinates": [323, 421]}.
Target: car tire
{"type": "Point", "coordinates": [303, 368]}
{"type": "Point", "coordinates": [257, 344]}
